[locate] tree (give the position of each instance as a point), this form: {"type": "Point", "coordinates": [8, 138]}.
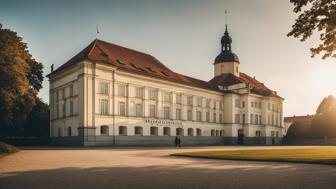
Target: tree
{"type": "Point", "coordinates": [37, 124]}
{"type": "Point", "coordinates": [319, 15]}
{"type": "Point", "coordinates": [324, 122]}
{"type": "Point", "coordinates": [20, 80]}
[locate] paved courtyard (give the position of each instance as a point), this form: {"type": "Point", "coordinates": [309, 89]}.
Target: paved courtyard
{"type": "Point", "coordinates": [147, 168]}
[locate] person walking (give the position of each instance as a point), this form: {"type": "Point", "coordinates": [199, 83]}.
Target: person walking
{"type": "Point", "coordinates": [179, 142]}
{"type": "Point", "coordinates": [176, 141]}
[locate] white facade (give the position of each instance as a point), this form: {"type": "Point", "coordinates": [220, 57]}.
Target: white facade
{"type": "Point", "coordinates": [78, 100]}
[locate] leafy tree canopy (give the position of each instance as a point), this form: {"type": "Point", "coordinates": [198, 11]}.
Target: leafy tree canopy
{"type": "Point", "coordinates": [20, 79]}
{"type": "Point", "coordinates": [316, 15]}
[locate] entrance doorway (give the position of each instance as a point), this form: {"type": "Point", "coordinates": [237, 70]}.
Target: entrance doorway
{"type": "Point", "coordinates": [240, 137]}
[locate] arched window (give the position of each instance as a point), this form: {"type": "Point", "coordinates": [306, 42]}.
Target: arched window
{"type": "Point", "coordinates": [104, 130]}
{"type": "Point", "coordinates": [154, 131]}
{"type": "Point", "coordinates": [199, 132]}
{"type": "Point", "coordinates": [59, 132]}
{"type": "Point", "coordinates": [190, 132]}
{"type": "Point", "coordinates": [122, 131]}
{"type": "Point", "coordinates": [213, 132]}
{"type": "Point", "coordinates": [221, 133]}
{"type": "Point", "coordinates": [138, 131]}
{"type": "Point", "coordinates": [166, 131]}
{"type": "Point", "coordinates": [217, 133]}
{"type": "Point", "coordinates": [69, 131]}
{"type": "Point", "coordinates": [179, 131]}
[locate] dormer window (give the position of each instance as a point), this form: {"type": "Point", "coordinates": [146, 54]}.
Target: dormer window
{"type": "Point", "coordinates": [120, 62]}
{"type": "Point", "coordinates": [135, 66]}
{"type": "Point", "coordinates": [151, 70]}
{"type": "Point", "coordinates": [164, 73]}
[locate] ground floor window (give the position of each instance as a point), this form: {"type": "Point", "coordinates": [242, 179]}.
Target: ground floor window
{"type": "Point", "coordinates": [154, 131]}
{"type": "Point", "coordinates": [217, 133]}
{"type": "Point", "coordinates": [190, 132]}
{"type": "Point", "coordinates": [122, 131]}
{"type": "Point", "coordinates": [69, 131]}
{"type": "Point", "coordinates": [59, 132]}
{"type": "Point", "coordinates": [221, 133]}
{"type": "Point", "coordinates": [199, 132]}
{"type": "Point", "coordinates": [166, 131]}
{"type": "Point", "coordinates": [258, 133]}
{"type": "Point", "coordinates": [138, 131]}
{"type": "Point", "coordinates": [179, 131]}
{"type": "Point", "coordinates": [213, 132]}
{"type": "Point", "coordinates": [104, 130]}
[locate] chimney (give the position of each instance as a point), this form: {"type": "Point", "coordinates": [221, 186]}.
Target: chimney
{"type": "Point", "coordinates": [52, 67]}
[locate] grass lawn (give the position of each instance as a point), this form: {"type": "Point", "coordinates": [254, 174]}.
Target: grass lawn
{"type": "Point", "coordinates": [318, 155]}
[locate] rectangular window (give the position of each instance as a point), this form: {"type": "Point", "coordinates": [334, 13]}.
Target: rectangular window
{"type": "Point", "coordinates": [256, 104]}
{"type": "Point", "coordinates": [122, 108]}
{"type": "Point", "coordinates": [57, 111]}
{"type": "Point", "coordinates": [207, 116]}
{"type": "Point", "coordinates": [259, 119]}
{"type": "Point", "coordinates": [71, 107]}
{"type": "Point", "coordinates": [237, 103]}
{"type": "Point", "coordinates": [258, 133]}
{"type": "Point", "coordinates": [237, 118]}
{"type": "Point", "coordinates": [252, 104]}
{"type": "Point", "coordinates": [214, 118]}
{"type": "Point", "coordinates": [166, 112]}
{"type": "Point", "coordinates": [272, 134]}
{"type": "Point", "coordinates": [139, 92]}
{"type": "Point", "coordinates": [178, 114]}
{"type": "Point", "coordinates": [256, 119]}
{"type": "Point", "coordinates": [260, 105]}
{"type": "Point", "coordinates": [57, 93]}
{"type": "Point", "coordinates": [103, 88]}
{"type": "Point", "coordinates": [251, 118]}
{"type": "Point", "coordinates": [198, 116]}
{"type": "Point", "coordinates": [243, 104]}
{"type": "Point", "coordinates": [138, 110]}
{"type": "Point", "coordinates": [152, 111]}
{"type": "Point", "coordinates": [207, 104]}
{"type": "Point", "coordinates": [63, 109]}
{"type": "Point", "coordinates": [269, 120]}
{"type": "Point", "coordinates": [220, 118]}
{"type": "Point", "coordinates": [152, 94]}
{"type": "Point", "coordinates": [243, 119]}
{"type": "Point", "coordinates": [190, 100]}
{"type": "Point", "coordinates": [71, 87]}
{"type": "Point", "coordinates": [63, 93]}
{"type": "Point", "coordinates": [269, 106]}
{"type": "Point", "coordinates": [178, 99]}
{"type": "Point", "coordinates": [121, 90]}
{"type": "Point", "coordinates": [103, 104]}
{"type": "Point", "coordinates": [199, 102]}
{"type": "Point", "coordinates": [166, 97]}
{"type": "Point", "coordinates": [215, 105]}
{"type": "Point", "coordinates": [221, 105]}
{"type": "Point", "coordinates": [189, 115]}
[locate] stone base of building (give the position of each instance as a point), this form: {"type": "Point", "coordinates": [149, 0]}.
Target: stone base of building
{"type": "Point", "coordinates": [160, 141]}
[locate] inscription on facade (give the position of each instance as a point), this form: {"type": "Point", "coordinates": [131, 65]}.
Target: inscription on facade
{"type": "Point", "coordinates": [163, 122]}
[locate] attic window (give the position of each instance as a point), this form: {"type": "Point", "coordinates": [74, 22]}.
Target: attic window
{"type": "Point", "coordinates": [164, 73]}
{"type": "Point", "coordinates": [120, 62]}
{"type": "Point", "coordinates": [135, 66]}
{"type": "Point", "coordinates": [151, 70]}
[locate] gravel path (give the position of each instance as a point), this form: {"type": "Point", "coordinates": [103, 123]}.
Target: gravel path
{"type": "Point", "coordinates": [120, 168]}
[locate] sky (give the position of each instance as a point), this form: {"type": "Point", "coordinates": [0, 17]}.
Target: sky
{"type": "Point", "coordinates": [185, 36]}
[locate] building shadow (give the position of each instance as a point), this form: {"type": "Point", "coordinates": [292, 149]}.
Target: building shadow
{"type": "Point", "coordinates": [194, 174]}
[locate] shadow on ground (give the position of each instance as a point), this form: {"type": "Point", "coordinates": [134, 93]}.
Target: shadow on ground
{"type": "Point", "coordinates": [161, 177]}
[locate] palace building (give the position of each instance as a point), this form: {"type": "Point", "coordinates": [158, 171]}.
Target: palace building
{"type": "Point", "coordinates": [112, 95]}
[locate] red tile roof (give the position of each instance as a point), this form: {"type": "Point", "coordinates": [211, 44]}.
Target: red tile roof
{"type": "Point", "coordinates": [306, 118]}
{"type": "Point", "coordinates": [144, 64]}
{"type": "Point", "coordinates": [256, 86]}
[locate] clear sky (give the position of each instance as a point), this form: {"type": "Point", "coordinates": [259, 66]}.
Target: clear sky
{"type": "Point", "coordinates": [184, 35]}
